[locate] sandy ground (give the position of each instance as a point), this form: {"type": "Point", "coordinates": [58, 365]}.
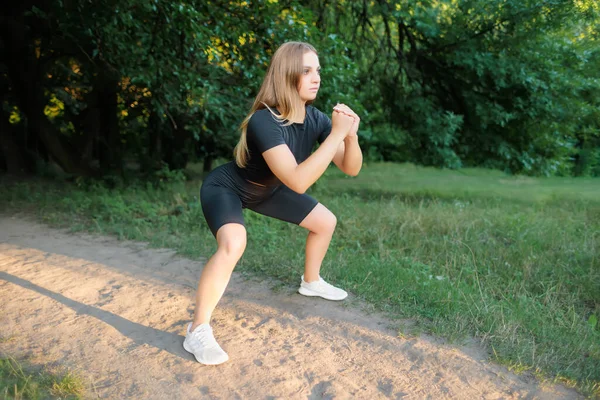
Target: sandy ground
{"type": "Point", "coordinates": [116, 312]}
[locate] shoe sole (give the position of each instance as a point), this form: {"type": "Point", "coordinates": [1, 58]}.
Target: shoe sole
{"type": "Point", "coordinates": [197, 359]}
{"type": "Point", "coordinates": [310, 293]}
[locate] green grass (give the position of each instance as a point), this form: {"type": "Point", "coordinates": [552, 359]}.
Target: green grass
{"type": "Point", "coordinates": [511, 260]}
{"type": "Point", "coordinates": [21, 381]}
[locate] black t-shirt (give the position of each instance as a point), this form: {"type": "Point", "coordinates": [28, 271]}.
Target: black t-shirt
{"type": "Point", "coordinates": [265, 132]}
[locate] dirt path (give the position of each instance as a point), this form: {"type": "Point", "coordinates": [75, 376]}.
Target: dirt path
{"type": "Point", "coordinates": [117, 311]}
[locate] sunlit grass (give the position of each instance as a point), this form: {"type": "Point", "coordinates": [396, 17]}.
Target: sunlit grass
{"type": "Point", "coordinates": [510, 260]}
{"type": "Point", "coordinates": [20, 381]}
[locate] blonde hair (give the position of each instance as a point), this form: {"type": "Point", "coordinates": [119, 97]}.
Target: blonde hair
{"type": "Point", "coordinates": [279, 89]}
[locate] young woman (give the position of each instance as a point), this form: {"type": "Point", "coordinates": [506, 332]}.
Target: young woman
{"type": "Point", "coordinates": [273, 169]}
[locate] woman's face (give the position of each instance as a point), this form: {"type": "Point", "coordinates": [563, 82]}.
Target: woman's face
{"type": "Point", "coordinates": [310, 80]}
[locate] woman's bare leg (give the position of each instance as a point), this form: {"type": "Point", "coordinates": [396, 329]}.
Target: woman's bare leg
{"type": "Point", "coordinates": [320, 223]}
{"type": "Point", "coordinates": [231, 241]}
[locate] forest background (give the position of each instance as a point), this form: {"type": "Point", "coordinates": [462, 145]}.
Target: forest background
{"type": "Point", "coordinates": [95, 86]}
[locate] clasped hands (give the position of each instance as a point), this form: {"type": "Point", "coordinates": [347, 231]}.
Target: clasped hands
{"type": "Point", "coordinates": [344, 117]}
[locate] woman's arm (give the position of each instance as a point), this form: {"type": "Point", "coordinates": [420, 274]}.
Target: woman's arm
{"type": "Point", "coordinates": [299, 177]}
{"type": "Point", "coordinates": [348, 157]}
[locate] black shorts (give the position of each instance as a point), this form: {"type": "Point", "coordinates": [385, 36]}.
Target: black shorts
{"type": "Point", "coordinates": [224, 194]}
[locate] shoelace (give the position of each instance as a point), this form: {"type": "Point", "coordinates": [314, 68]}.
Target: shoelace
{"type": "Point", "coordinates": [205, 337]}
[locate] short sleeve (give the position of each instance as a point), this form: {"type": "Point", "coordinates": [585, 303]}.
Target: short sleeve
{"type": "Point", "coordinates": [323, 126]}
{"type": "Point", "coordinates": [264, 131]}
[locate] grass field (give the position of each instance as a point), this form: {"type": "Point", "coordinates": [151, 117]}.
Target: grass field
{"type": "Point", "coordinates": [513, 261]}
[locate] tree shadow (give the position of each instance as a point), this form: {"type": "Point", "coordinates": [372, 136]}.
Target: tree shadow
{"type": "Point", "coordinates": [140, 334]}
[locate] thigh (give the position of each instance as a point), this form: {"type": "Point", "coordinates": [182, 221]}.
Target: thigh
{"type": "Point", "coordinates": [286, 205]}
{"type": "Point", "coordinates": [220, 206]}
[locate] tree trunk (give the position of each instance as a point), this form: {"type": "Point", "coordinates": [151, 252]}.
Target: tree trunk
{"type": "Point", "coordinates": [154, 154]}
{"type": "Point", "coordinates": [25, 76]}
{"type": "Point", "coordinates": [109, 152]}
{"type": "Point", "coordinates": [12, 158]}
{"type": "Point", "coordinates": [207, 164]}
{"type": "Point", "coordinates": [175, 140]}
{"type": "Point", "coordinates": [15, 163]}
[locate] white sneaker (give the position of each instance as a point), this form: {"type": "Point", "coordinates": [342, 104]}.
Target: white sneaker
{"type": "Point", "coordinates": [202, 344]}
{"type": "Point", "coordinates": [322, 289]}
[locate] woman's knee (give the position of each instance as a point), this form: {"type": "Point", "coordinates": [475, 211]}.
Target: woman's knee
{"type": "Point", "coordinates": [329, 222]}
{"type": "Point", "coordinates": [231, 240]}
{"type": "Point", "coordinates": [320, 220]}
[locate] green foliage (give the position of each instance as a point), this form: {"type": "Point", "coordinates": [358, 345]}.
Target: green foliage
{"type": "Point", "coordinates": [494, 83]}
{"type": "Point", "coordinates": [504, 84]}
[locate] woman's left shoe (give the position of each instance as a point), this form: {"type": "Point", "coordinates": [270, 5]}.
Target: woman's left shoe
{"type": "Point", "coordinates": [322, 289]}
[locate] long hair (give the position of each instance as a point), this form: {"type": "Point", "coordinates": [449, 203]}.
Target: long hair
{"type": "Point", "coordinates": [279, 89]}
